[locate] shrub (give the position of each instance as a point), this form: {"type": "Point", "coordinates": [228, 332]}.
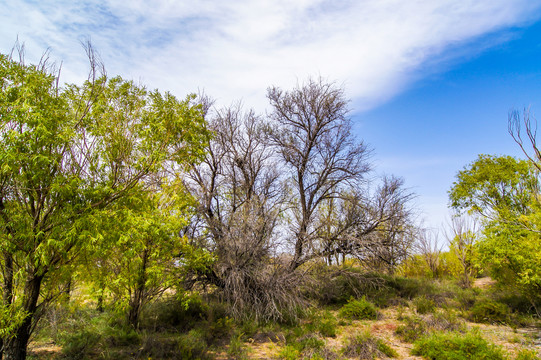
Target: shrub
{"type": "Point", "coordinates": [155, 347]}
{"type": "Point", "coordinates": [324, 323]}
{"type": "Point", "coordinates": [79, 345]}
{"type": "Point", "coordinates": [237, 350]}
{"type": "Point", "coordinates": [526, 354]}
{"type": "Point", "coordinates": [174, 314]}
{"type": "Point", "coordinates": [466, 298]}
{"type": "Point", "coordinates": [456, 346]}
{"type": "Point", "coordinates": [193, 346]}
{"type": "Point", "coordinates": [289, 353]}
{"type": "Point", "coordinates": [366, 346]}
{"type": "Point", "coordinates": [418, 326]}
{"type": "Point", "coordinates": [489, 311]}
{"type": "Point", "coordinates": [424, 305]}
{"type": "Point", "coordinates": [414, 328]}
{"type": "Point", "coordinates": [359, 310]}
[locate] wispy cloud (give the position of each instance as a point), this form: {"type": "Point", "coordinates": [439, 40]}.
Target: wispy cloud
{"type": "Point", "coordinates": [236, 49]}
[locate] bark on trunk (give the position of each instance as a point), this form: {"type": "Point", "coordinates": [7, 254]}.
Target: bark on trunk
{"type": "Point", "coordinates": [15, 348]}
{"type": "Point", "coordinates": [136, 301]}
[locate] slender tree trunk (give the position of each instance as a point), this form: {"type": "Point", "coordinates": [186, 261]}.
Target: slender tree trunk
{"type": "Point", "coordinates": [136, 301]}
{"type": "Point", "coordinates": [15, 347]}
{"type": "Point", "coordinates": [7, 297]}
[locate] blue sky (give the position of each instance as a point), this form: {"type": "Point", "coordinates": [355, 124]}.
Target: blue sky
{"type": "Point", "coordinates": [430, 81]}
{"type": "Point", "coordinates": [440, 123]}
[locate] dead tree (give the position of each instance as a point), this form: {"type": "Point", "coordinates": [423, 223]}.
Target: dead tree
{"type": "Point", "coordinates": [461, 237]}
{"type": "Point", "coordinates": [311, 131]}
{"type": "Point", "coordinates": [240, 200]}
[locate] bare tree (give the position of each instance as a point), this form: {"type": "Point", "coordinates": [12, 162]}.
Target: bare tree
{"type": "Point", "coordinates": [517, 126]}
{"type": "Point", "coordinates": [429, 247]}
{"type": "Point", "coordinates": [312, 134]}
{"type": "Point", "coordinates": [375, 228]}
{"type": "Point", "coordinates": [240, 200]}
{"type": "Point", "coordinates": [461, 236]}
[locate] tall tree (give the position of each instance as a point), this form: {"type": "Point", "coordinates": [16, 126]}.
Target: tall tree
{"type": "Point", "coordinates": [66, 155]}
{"type": "Point", "coordinates": [312, 133]}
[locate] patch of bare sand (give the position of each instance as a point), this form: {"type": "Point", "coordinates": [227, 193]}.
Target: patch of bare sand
{"type": "Point", "coordinates": [484, 282]}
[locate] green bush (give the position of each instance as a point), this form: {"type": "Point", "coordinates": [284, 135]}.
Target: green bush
{"type": "Point", "coordinates": [359, 310]}
{"type": "Point", "coordinates": [289, 352]}
{"type": "Point", "coordinates": [414, 328]}
{"type": "Point", "coordinates": [489, 311]}
{"type": "Point", "coordinates": [323, 322]}
{"type": "Point", "coordinates": [418, 326]}
{"type": "Point", "coordinates": [526, 354]}
{"type": "Point", "coordinates": [174, 314]}
{"type": "Point", "coordinates": [193, 346]}
{"type": "Point", "coordinates": [423, 305]}
{"type": "Point", "coordinates": [366, 346]}
{"type": "Point", "coordinates": [466, 298]}
{"type": "Point", "coordinates": [237, 350]}
{"type": "Point", "coordinates": [80, 344]}
{"type": "Point", "coordinates": [456, 346]}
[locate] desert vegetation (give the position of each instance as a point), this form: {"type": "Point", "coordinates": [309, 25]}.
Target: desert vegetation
{"type": "Point", "coordinates": [135, 225]}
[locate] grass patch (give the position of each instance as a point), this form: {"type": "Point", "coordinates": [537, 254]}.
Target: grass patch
{"type": "Point", "coordinates": [456, 346]}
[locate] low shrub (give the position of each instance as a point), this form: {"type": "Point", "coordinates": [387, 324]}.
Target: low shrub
{"type": "Point", "coordinates": [322, 322]}
{"type": "Point", "coordinates": [366, 346]}
{"type": "Point", "coordinates": [417, 326]}
{"type": "Point", "coordinates": [489, 311]}
{"type": "Point", "coordinates": [237, 349]}
{"type": "Point", "coordinates": [423, 305]}
{"type": "Point", "coordinates": [359, 310]}
{"type": "Point", "coordinates": [414, 328]}
{"type": "Point", "coordinates": [527, 354]}
{"type": "Point", "coordinates": [193, 346]}
{"type": "Point", "coordinates": [156, 346]}
{"type": "Point", "coordinates": [174, 314]}
{"type": "Point", "coordinates": [456, 346]}
{"type": "Point", "coordinates": [80, 344]}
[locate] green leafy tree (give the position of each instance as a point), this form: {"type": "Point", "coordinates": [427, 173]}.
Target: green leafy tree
{"type": "Point", "coordinates": [504, 191]}
{"type": "Point", "coordinates": [67, 155]}
{"type": "Point", "coordinates": [140, 253]}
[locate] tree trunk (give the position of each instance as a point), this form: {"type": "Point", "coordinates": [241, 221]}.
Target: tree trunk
{"type": "Point", "coordinates": [15, 347]}
{"type": "Point", "coordinates": [136, 301]}
{"type": "Point", "coordinates": [8, 289]}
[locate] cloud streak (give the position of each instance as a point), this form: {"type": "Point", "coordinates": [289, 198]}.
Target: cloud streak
{"type": "Point", "coordinates": [236, 49]}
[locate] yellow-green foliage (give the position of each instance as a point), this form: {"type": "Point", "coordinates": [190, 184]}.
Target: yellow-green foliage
{"type": "Point", "coordinates": [456, 346]}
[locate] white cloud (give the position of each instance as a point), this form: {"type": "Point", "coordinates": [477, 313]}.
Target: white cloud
{"type": "Point", "coordinates": [236, 49]}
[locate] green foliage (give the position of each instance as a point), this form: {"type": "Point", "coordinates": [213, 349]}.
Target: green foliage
{"type": "Point", "coordinates": [490, 311]}
{"type": "Point", "coordinates": [413, 328]}
{"type": "Point", "coordinates": [74, 158]}
{"type": "Point", "coordinates": [174, 314]}
{"type": "Point", "coordinates": [359, 310]}
{"type": "Point", "coordinates": [237, 350]}
{"type": "Point", "coordinates": [417, 326]}
{"type": "Point", "coordinates": [289, 352]}
{"type": "Point", "coordinates": [495, 186]}
{"type": "Point", "coordinates": [423, 305]}
{"type": "Point", "coordinates": [193, 346]}
{"type": "Point", "coordinates": [504, 191]}
{"type": "Point", "coordinates": [526, 354]}
{"type": "Point", "coordinates": [323, 322]}
{"type": "Point", "coordinates": [366, 346]}
{"type": "Point", "coordinates": [85, 333]}
{"type": "Point", "coordinates": [456, 346]}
